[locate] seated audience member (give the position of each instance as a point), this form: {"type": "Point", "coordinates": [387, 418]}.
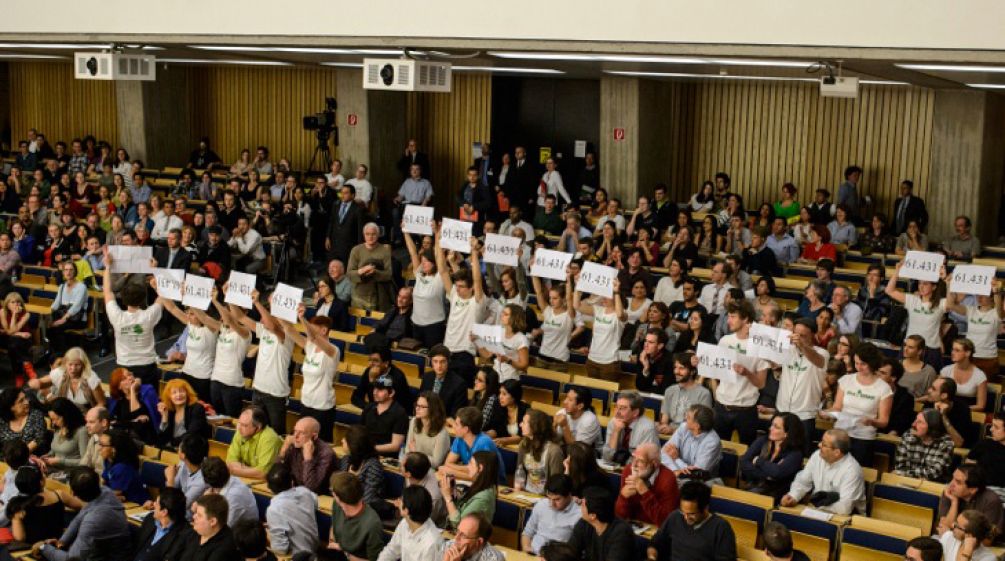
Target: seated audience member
{"type": "Point", "coordinates": [628, 429]}
{"type": "Point", "coordinates": [834, 477]}
{"type": "Point", "coordinates": [381, 365]}
{"type": "Point", "coordinates": [656, 361]}
{"type": "Point", "coordinates": [648, 489]}
{"type": "Point", "coordinates": [97, 422]}
{"type": "Point", "coordinates": [397, 323]}
{"type": "Point", "coordinates": [691, 532]}
{"type": "Point", "coordinates": [539, 456]}
{"type": "Point", "coordinates": [34, 512]}
{"type": "Point", "coordinates": [356, 529]}
{"type": "Point", "coordinates": [468, 440]}
{"type": "Point", "coordinates": [991, 452]}
{"type": "Point", "coordinates": [361, 460]}
{"type": "Point", "coordinates": [180, 414]}
{"type": "Point", "coordinates": [309, 459]}
{"type": "Point", "coordinates": [122, 466]}
{"type": "Point", "coordinates": [102, 518]}
{"type": "Point", "coordinates": [964, 539]}
{"type": "Point", "coordinates": [955, 412]}
{"type": "Point", "coordinates": [554, 519]}
{"type": "Point", "coordinates": [778, 543]}
{"type": "Point", "coordinates": [416, 538]}
{"type": "Point", "coordinates": [15, 454]}
{"type": "Point", "coordinates": [186, 475]}
{"type": "Point", "coordinates": [963, 245]}
{"type": "Point", "coordinates": [471, 542]}
{"type": "Point", "coordinates": [504, 426]}
{"type": "Point", "coordinates": [133, 405]}
{"type": "Point", "coordinates": [427, 432]}
{"type": "Point", "coordinates": [21, 420]}
{"type": "Point", "coordinates": [847, 314]}
{"type": "Point", "coordinates": [695, 449]}
{"type": "Point", "coordinates": [69, 435]}
{"type": "Point", "coordinates": [255, 446]}
{"type": "Point", "coordinates": [385, 419]}
{"type": "Point", "coordinates": [252, 542]}
{"type": "Point", "coordinates": [416, 470]}
{"type": "Point", "coordinates": [771, 463]}
{"type": "Point", "coordinates": [576, 421]}
{"type": "Point", "coordinates": [967, 491]}
{"type": "Point", "coordinates": [902, 412]}
{"type": "Point", "coordinates": [210, 522]}
{"type": "Point", "coordinates": [239, 496]}
{"type": "Point", "coordinates": [926, 452]}
{"type": "Point", "coordinates": [599, 535]}
{"type": "Point", "coordinates": [678, 398]}
{"type": "Point", "coordinates": [444, 382]}
{"type": "Point", "coordinates": [327, 305]}
{"type": "Point", "coordinates": [165, 534]}
{"type": "Point", "coordinates": [293, 526]}
{"type": "Point", "coordinates": [923, 548]}
{"type": "Point", "coordinates": [480, 495]}
{"type": "Point", "coordinates": [73, 379]}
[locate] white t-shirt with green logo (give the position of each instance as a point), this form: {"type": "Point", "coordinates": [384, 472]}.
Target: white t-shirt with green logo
{"type": "Point", "coordinates": [801, 385]}
{"type": "Point", "coordinates": [463, 315]}
{"type": "Point", "coordinates": [606, 340]}
{"type": "Point", "coordinates": [924, 319]}
{"type": "Point", "coordinates": [863, 401]}
{"type": "Point", "coordinates": [134, 334]}
{"type": "Point", "coordinates": [200, 348]}
{"type": "Point", "coordinates": [231, 350]}
{"type": "Point", "coordinates": [319, 375]}
{"type": "Point", "coordinates": [272, 366]}
{"type": "Point", "coordinates": [740, 393]}
{"type": "Point", "coordinates": [556, 330]}
{"type": "Point", "coordinates": [982, 329]}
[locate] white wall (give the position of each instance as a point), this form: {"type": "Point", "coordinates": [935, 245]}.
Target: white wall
{"type": "Point", "coordinates": [927, 24]}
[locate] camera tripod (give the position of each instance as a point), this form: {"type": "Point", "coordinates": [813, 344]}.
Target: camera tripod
{"type": "Point", "coordinates": [324, 151]}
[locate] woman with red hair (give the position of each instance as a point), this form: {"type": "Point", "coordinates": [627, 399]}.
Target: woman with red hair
{"type": "Point", "coordinates": [819, 246]}
{"type": "Point", "coordinates": [180, 414]}
{"type": "Point", "coordinates": [133, 405]}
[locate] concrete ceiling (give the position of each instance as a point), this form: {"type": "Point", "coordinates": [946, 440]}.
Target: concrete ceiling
{"type": "Point", "coordinates": [670, 62]}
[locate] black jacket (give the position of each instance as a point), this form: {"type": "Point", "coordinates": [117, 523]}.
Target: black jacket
{"type": "Point", "coordinates": [362, 396]}
{"type": "Point", "coordinates": [454, 392]}
{"type": "Point", "coordinates": [762, 262]}
{"type": "Point", "coordinates": [405, 164]}
{"type": "Point", "coordinates": [347, 233]}
{"type": "Point", "coordinates": [171, 547]}
{"type": "Point", "coordinates": [915, 211]}
{"type": "Point", "coordinates": [483, 201]}
{"type": "Point", "coordinates": [220, 547]}
{"type": "Point", "coordinates": [394, 325]}
{"type": "Point", "coordinates": [522, 184]}
{"type": "Point", "coordinates": [182, 259]}
{"type": "Point", "coordinates": [500, 418]}
{"type": "Point", "coordinates": [195, 421]}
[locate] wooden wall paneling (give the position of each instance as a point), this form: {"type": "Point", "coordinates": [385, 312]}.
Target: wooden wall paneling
{"type": "Point", "coordinates": [46, 96]}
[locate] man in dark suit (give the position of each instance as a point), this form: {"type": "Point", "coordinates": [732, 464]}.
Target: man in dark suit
{"type": "Point", "coordinates": [174, 255]}
{"type": "Point", "coordinates": [346, 230]}
{"type": "Point", "coordinates": [451, 388]}
{"type": "Point", "coordinates": [479, 197]}
{"type": "Point", "coordinates": [165, 533]}
{"type": "Point", "coordinates": [413, 156]}
{"type": "Point", "coordinates": [908, 208]}
{"type": "Point", "coordinates": [522, 182]}
{"type": "Point", "coordinates": [487, 166]}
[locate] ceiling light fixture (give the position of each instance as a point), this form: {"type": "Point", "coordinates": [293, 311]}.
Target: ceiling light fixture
{"type": "Point", "coordinates": [988, 86]}
{"type": "Point", "coordinates": [343, 64]}
{"type": "Point", "coordinates": [655, 59]}
{"type": "Point", "coordinates": [952, 68]}
{"type": "Point", "coordinates": [505, 69]}
{"type": "Point", "coordinates": [710, 76]}
{"type": "Point", "coordinates": [55, 46]}
{"type": "Point", "coordinates": [33, 57]}
{"type": "Point", "coordinates": [208, 61]}
{"type": "Point", "coordinates": [307, 50]}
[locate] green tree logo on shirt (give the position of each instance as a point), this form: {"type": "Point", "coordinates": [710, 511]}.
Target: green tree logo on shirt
{"type": "Point", "coordinates": [798, 366]}
{"type": "Point", "coordinates": [138, 329]}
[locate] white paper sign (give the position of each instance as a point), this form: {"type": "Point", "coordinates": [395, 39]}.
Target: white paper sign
{"type": "Point", "coordinates": [476, 150]}
{"type": "Point", "coordinates": [169, 283]}
{"type": "Point", "coordinates": [769, 343]}
{"type": "Point", "coordinates": [455, 235]}
{"type": "Point", "coordinates": [922, 265]}
{"type": "Point", "coordinates": [239, 289]}
{"type": "Point", "coordinates": [716, 362]}
{"type": "Point", "coordinates": [489, 337]}
{"type": "Point", "coordinates": [844, 421]}
{"type": "Point", "coordinates": [198, 291]}
{"type": "Point", "coordinates": [284, 302]}
{"type": "Point", "coordinates": [550, 264]}
{"type": "Point", "coordinates": [130, 259]}
{"type": "Point", "coordinates": [973, 279]}
{"type": "Point", "coordinates": [417, 220]}
{"type": "Point", "coordinates": [501, 250]}
{"type": "Point", "coordinates": [597, 279]}
{"type": "Point", "coordinates": [580, 151]}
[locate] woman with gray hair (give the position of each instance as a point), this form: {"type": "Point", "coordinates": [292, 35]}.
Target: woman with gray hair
{"type": "Point", "coordinates": [369, 271]}
{"type": "Point", "coordinates": [926, 452]}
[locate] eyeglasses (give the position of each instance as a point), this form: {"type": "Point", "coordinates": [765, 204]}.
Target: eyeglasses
{"type": "Point", "coordinates": [417, 406]}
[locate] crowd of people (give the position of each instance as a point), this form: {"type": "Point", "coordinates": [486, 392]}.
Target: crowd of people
{"type": "Point", "coordinates": [447, 438]}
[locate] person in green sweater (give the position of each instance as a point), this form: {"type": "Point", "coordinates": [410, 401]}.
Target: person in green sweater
{"type": "Point", "coordinates": [550, 220]}
{"type": "Point", "coordinates": [255, 446]}
{"type": "Point", "coordinates": [480, 496]}
{"type": "Point", "coordinates": [356, 528]}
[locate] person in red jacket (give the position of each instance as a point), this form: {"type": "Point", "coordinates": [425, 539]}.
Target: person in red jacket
{"type": "Point", "coordinates": [648, 489]}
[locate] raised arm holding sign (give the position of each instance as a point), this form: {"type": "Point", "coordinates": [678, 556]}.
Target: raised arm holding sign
{"type": "Point", "coordinates": [284, 302]}
{"type": "Point", "coordinates": [169, 283]}
{"type": "Point", "coordinates": [502, 250]}
{"type": "Point", "coordinates": [716, 362]}
{"type": "Point", "coordinates": [922, 265]}
{"type": "Point", "coordinates": [597, 279]}
{"type": "Point", "coordinates": [198, 291]}
{"type": "Point", "coordinates": [972, 279]}
{"type": "Point", "coordinates": [769, 343]}
{"type": "Point", "coordinates": [455, 235]}
{"type": "Point", "coordinates": [550, 264]}
{"type": "Point", "coordinates": [239, 289]}
{"type": "Point", "coordinates": [417, 220]}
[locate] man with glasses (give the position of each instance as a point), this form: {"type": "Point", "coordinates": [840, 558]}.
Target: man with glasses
{"type": "Point", "coordinates": [923, 548]}
{"type": "Point", "coordinates": [471, 543]}
{"type": "Point", "coordinates": [309, 459]}
{"type": "Point", "coordinates": [692, 533]}
{"type": "Point", "coordinates": [628, 430]}
{"type": "Point", "coordinates": [964, 540]}
{"type": "Point", "coordinates": [834, 477]}
{"type": "Point", "coordinates": [648, 488]}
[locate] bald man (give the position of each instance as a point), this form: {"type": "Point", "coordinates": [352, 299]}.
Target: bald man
{"type": "Point", "coordinates": [648, 488]}
{"type": "Point", "coordinates": [97, 420]}
{"type": "Point", "coordinates": [309, 458]}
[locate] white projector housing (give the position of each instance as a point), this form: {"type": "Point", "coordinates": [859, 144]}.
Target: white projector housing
{"type": "Point", "coordinates": [114, 66]}
{"type": "Point", "coordinates": [406, 75]}
{"type": "Point", "coordinates": [839, 87]}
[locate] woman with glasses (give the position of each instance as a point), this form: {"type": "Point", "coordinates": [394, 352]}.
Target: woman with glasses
{"type": "Point", "coordinates": [427, 433]}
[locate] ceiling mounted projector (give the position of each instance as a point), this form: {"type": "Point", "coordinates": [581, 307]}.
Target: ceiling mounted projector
{"type": "Point", "coordinates": [114, 66]}
{"type": "Point", "coordinates": [406, 75]}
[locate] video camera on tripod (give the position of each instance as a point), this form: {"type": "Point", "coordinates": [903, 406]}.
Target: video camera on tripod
{"type": "Point", "coordinates": [324, 127]}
